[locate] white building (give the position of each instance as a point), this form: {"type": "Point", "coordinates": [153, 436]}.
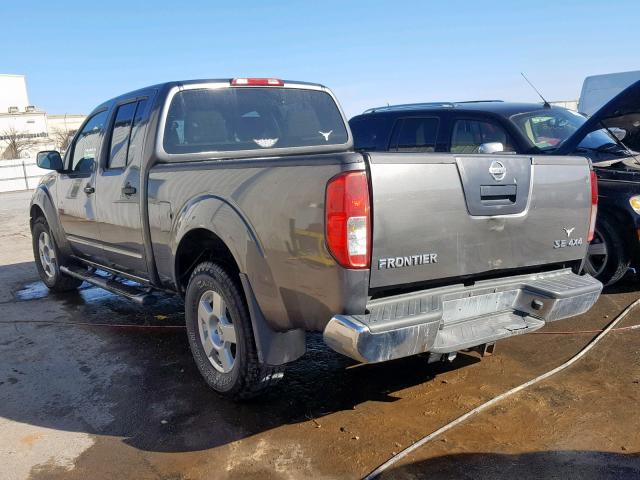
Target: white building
{"type": "Point", "coordinates": [65, 122]}
{"type": "Point", "coordinates": [24, 123]}
{"type": "Point", "coordinates": [13, 93]}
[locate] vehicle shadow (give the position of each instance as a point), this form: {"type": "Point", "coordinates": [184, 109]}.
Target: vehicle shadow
{"type": "Point", "coordinates": [103, 365]}
{"type": "Point", "coordinates": [584, 465]}
{"type": "Point", "coordinates": [319, 384]}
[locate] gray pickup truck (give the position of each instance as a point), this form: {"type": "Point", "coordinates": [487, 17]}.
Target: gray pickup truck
{"type": "Point", "coordinates": [246, 197]}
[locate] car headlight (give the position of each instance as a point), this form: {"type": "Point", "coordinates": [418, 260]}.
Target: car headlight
{"type": "Point", "coordinates": [635, 203]}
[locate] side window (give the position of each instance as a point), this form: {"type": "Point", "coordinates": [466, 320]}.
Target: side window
{"type": "Point", "coordinates": [85, 149]}
{"type": "Point", "coordinates": [120, 136]}
{"type": "Point", "coordinates": [365, 134]}
{"type": "Point", "coordinates": [468, 135]}
{"type": "Point", "coordinates": [127, 134]}
{"type": "Point", "coordinates": [417, 135]}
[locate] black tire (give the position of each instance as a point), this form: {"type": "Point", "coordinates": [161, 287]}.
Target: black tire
{"type": "Point", "coordinates": [50, 274]}
{"type": "Point", "coordinates": [612, 266]}
{"type": "Point", "coordinates": [247, 377]}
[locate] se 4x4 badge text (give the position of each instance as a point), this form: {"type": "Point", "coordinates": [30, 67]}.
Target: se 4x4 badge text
{"type": "Point", "coordinates": [571, 242]}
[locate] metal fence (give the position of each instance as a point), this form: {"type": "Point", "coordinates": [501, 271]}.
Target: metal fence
{"type": "Point", "coordinates": [20, 174]}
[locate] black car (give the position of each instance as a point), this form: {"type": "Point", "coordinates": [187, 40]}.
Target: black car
{"type": "Point", "coordinates": [609, 138]}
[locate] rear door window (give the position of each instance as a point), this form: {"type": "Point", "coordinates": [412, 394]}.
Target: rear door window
{"type": "Point", "coordinates": [416, 135]}
{"type": "Point", "coordinates": [126, 135]}
{"type": "Point", "coordinates": [137, 132]}
{"type": "Point", "coordinates": [247, 118]}
{"type": "Point", "coordinates": [468, 135]}
{"type": "Point", "coordinates": [120, 136]}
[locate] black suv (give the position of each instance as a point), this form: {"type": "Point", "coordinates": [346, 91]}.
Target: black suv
{"type": "Point", "coordinates": [609, 138]}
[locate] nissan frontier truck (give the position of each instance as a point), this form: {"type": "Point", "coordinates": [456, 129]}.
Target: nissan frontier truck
{"type": "Point", "coordinates": [246, 197]}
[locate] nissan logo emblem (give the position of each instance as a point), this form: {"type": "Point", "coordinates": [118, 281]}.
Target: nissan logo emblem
{"type": "Point", "coordinates": [497, 170]}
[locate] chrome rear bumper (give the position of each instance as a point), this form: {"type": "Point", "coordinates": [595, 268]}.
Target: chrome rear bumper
{"type": "Point", "coordinates": [454, 318]}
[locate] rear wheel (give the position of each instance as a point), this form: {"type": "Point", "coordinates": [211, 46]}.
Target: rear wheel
{"type": "Point", "coordinates": [607, 256]}
{"type": "Point", "coordinates": [221, 336]}
{"type": "Point", "coordinates": [47, 257]}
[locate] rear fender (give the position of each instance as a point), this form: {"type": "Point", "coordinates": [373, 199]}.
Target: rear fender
{"type": "Point", "coordinates": [275, 338]}
{"type": "Point", "coordinates": [229, 224]}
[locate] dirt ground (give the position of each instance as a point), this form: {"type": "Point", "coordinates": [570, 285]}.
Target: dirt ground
{"type": "Point", "coordinates": [94, 401]}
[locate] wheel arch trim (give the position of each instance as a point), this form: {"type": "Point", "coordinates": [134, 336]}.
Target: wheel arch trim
{"type": "Point", "coordinates": [43, 201]}
{"type": "Point", "coordinates": [211, 212]}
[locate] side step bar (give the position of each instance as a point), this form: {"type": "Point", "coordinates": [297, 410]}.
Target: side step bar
{"type": "Point", "coordinates": [134, 293]}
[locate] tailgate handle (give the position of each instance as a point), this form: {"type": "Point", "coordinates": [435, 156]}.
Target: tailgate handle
{"type": "Point", "coordinates": [498, 194]}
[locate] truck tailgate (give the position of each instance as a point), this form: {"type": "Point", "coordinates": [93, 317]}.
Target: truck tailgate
{"type": "Point", "coordinates": [437, 216]}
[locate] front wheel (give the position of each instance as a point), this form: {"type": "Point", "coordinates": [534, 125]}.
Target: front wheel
{"type": "Point", "coordinates": [221, 336]}
{"type": "Point", "coordinates": [607, 257]}
{"type": "Point", "coordinates": [47, 257]}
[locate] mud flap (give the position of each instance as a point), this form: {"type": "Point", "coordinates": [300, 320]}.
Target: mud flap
{"type": "Point", "coordinates": [274, 348]}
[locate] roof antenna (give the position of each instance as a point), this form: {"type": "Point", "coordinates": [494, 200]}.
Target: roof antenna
{"type": "Point", "coordinates": [546, 104]}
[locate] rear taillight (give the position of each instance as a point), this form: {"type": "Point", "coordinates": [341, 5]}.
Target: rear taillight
{"type": "Point", "coordinates": [348, 219]}
{"type": "Point", "coordinates": [594, 205]}
{"type": "Point", "coordinates": [262, 82]}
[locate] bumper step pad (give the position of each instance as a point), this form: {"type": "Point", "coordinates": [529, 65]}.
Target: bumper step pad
{"type": "Point", "coordinates": [471, 333]}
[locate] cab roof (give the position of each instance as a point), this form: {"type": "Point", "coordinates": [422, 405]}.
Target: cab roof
{"type": "Point", "coordinates": [182, 83]}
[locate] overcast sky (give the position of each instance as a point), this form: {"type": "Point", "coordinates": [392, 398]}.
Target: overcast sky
{"type": "Point", "coordinates": [77, 54]}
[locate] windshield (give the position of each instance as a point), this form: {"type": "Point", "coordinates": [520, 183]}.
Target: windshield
{"type": "Point", "coordinates": [232, 119]}
{"type": "Point", "coordinates": [549, 127]}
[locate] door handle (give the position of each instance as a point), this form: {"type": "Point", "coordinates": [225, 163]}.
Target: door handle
{"type": "Point", "coordinates": [88, 189]}
{"type": "Point", "coordinates": [129, 189]}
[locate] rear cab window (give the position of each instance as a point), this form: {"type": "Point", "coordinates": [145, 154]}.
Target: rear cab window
{"type": "Point", "coordinates": [251, 119]}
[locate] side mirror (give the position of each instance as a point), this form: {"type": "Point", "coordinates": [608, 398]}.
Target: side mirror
{"type": "Point", "coordinates": [491, 147]}
{"type": "Point", "coordinates": [620, 133]}
{"type": "Point", "coordinates": [50, 160]}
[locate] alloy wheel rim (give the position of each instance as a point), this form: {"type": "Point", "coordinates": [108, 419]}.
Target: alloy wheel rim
{"type": "Point", "coordinates": [597, 255]}
{"type": "Point", "coordinates": [47, 253]}
{"type": "Point", "coordinates": [217, 332]}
